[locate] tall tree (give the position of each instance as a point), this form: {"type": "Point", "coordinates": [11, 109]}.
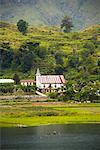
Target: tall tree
{"type": "Point", "coordinates": [22, 26]}
{"type": "Point", "coordinates": [16, 78]}
{"type": "Point", "coordinates": [66, 24]}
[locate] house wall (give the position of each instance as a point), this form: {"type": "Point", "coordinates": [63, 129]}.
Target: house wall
{"type": "Point", "coordinates": [38, 83]}
{"type": "Point", "coordinates": [27, 83]}
{"type": "Point", "coordinates": [52, 85]}
{"type": "Point", "coordinates": [24, 83]}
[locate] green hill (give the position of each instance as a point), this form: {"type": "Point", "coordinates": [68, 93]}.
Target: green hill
{"type": "Point", "coordinates": [76, 55]}
{"type": "Point", "coordinates": [56, 52]}
{"type": "Point", "coordinates": [51, 12]}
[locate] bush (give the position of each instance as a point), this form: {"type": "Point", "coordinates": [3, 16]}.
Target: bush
{"type": "Point", "coordinates": [6, 88]}
{"type": "Point", "coordinates": [53, 95]}
{"type": "Point", "coordinates": [19, 92]}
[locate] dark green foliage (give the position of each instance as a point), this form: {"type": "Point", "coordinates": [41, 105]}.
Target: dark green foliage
{"type": "Point", "coordinates": [30, 55]}
{"type": "Point", "coordinates": [70, 92]}
{"type": "Point", "coordinates": [22, 26]}
{"type": "Point", "coordinates": [6, 88]}
{"type": "Point", "coordinates": [6, 56]}
{"type": "Point", "coordinates": [91, 91]}
{"type": "Point", "coordinates": [89, 48]}
{"type": "Point", "coordinates": [73, 60]}
{"type": "Point", "coordinates": [36, 57]}
{"type": "Point", "coordinates": [66, 24]}
{"type": "Point", "coordinates": [81, 91]}
{"type": "Point", "coordinates": [16, 78]}
{"type": "Point", "coordinates": [16, 60]}
{"type": "Point", "coordinates": [41, 52]}
{"type": "Point", "coordinates": [27, 62]}
{"type": "Point", "coordinates": [29, 89]}
{"type": "Point", "coordinates": [59, 57]}
{"type": "Point", "coordinates": [53, 95]}
{"type": "Point", "coordinates": [98, 62]}
{"type": "Point", "coordinates": [59, 69]}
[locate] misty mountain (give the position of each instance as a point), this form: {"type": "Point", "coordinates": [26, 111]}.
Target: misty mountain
{"type": "Point", "coordinates": [51, 12]}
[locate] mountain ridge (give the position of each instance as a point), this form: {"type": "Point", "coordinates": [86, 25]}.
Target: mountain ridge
{"type": "Point", "coordinates": [51, 12]}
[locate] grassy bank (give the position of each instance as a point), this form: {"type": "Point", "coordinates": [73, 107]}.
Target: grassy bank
{"type": "Point", "coordinates": [26, 113]}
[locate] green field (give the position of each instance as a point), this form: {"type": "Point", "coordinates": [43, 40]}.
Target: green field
{"type": "Point", "coordinates": [26, 113]}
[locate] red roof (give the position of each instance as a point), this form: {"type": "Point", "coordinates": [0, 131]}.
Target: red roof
{"type": "Point", "coordinates": [50, 79]}
{"type": "Point", "coordinates": [28, 81]}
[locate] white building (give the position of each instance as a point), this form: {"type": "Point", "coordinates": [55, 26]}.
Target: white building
{"type": "Point", "coordinates": [2, 81]}
{"type": "Point", "coordinates": [49, 81]}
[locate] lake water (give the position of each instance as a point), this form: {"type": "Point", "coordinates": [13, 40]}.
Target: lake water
{"type": "Point", "coordinates": [51, 137]}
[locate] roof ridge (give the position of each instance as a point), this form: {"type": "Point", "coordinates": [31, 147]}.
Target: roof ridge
{"type": "Point", "coordinates": [52, 75]}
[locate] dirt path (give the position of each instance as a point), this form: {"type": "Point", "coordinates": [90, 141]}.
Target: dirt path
{"type": "Point", "coordinates": [49, 103]}
{"type": "Point", "coordinates": [31, 97]}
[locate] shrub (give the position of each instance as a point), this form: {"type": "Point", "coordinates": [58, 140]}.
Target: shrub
{"type": "Point", "coordinates": [6, 88]}
{"type": "Point", "coordinates": [19, 92]}
{"type": "Point", "coordinates": [53, 95]}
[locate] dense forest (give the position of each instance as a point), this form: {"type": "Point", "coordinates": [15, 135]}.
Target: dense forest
{"type": "Point", "coordinates": [76, 55]}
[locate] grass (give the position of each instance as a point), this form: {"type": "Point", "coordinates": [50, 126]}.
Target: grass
{"type": "Point", "coordinates": [47, 36]}
{"type": "Point", "coordinates": [34, 114]}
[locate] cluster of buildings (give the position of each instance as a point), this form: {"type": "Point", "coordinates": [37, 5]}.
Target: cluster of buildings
{"type": "Point", "coordinates": [44, 83]}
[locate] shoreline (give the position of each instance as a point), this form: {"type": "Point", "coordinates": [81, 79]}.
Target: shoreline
{"type": "Point", "coordinates": [28, 114]}
{"type": "Point", "coordinates": [40, 121]}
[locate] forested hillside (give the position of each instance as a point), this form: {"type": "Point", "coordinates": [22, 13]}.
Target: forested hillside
{"type": "Point", "coordinates": [51, 12]}
{"type": "Point", "coordinates": [76, 55]}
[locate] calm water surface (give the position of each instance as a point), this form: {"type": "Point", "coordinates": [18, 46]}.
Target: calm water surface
{"type": "Point", "coordinates": [52, 137]}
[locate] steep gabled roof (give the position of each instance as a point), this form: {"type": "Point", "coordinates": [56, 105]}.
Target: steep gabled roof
{"type": "Point", "coordinates": [52, 79]}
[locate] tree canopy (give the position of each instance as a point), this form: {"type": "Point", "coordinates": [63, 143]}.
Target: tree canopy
{"type": "Point", "coordinates": [22, 26]}
{"type": "Point", "coordinates": [16, 78]}
{"type": "Point", "coordinates": [66, 24]}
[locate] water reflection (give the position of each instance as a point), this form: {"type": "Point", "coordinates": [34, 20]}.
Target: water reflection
{"type": "Point", "coordinates": [52, 137]}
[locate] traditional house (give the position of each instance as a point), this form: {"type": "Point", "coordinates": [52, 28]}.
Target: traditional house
{"type": "Point", "coordinates": [27, 82]}
{"type": "Point", "coordinates": [49, 82]}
